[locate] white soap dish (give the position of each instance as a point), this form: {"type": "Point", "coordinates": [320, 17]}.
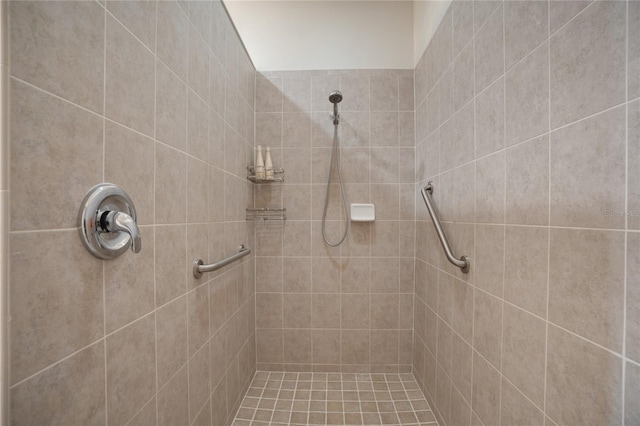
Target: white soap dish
{"type": "Point", "coordinates": [363, 212]}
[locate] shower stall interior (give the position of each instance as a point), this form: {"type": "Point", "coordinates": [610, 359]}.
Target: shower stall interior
{"type": "Point", "coordinates": [511, 297]}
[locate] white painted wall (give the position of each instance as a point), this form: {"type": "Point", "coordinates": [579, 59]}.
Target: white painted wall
{"type": "Point", "coordinates": [427, 15]}
{"type": "Point", "coordinates": [307, 35]}
{"type": "Point", "coordinates": [336, 34]}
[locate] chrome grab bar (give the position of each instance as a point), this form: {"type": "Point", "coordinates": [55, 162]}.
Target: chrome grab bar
{"type": "Point", "coordinates": [199, 267]}
{"type": "Point", "coordinates": [463, 262]}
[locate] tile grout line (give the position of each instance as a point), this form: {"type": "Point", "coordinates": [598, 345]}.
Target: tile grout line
{"type": "Point", "coordinates": [104, 289]}
{"type": "Point", "coordinates": [626, 222]}
{"type": "Point", "coordinates": [155, 159]}
{"type": "Point", "coordinates": [546, 319]}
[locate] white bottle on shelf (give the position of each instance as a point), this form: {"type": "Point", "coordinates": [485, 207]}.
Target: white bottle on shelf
{"type": "Point", "coordinates": [258, 169]}
{"type": "Point", "coordinates": [268, 165]}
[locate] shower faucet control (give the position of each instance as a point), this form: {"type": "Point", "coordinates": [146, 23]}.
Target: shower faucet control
{"type": "Point", "coordinates": [114, 221]}
{"type": "Point", "coordinates": [108, 222]}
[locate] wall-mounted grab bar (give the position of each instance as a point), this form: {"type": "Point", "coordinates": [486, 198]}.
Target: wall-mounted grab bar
{"type": "Point", "coordinates": [199, 267]}
{"type": "Point", "coordinates": [463, 262]}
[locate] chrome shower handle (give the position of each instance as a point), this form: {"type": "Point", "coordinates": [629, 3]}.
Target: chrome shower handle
{"type": "Point", "coordinates": [115, 221]}
{"type": "Point", "coordinates": [107, 222]}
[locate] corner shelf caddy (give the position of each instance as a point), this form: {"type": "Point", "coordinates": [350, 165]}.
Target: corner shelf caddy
{"type": "Point", "coordinates": [266, 214]}
{"type": "Point", "coordinates": [278, 176]}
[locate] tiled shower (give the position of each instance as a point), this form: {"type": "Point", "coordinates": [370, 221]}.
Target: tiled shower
{"type": "Point", "coordinates": [525, 115]}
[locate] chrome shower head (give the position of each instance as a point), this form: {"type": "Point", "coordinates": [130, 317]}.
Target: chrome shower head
{"type": "Point", "coordinates": [335, 97]}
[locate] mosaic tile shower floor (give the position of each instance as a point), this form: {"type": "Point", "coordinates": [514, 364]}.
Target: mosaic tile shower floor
{"type": "Point", "coordinates": [276, 398]}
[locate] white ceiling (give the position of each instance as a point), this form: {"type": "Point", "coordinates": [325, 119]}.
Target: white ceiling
{"type": "Point", "coordinates": [334, 34]}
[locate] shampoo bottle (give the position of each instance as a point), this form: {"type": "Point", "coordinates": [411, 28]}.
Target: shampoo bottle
{"type": "Point", "coordinates": [259, 166]}
{"type": "Point", "coordinates": [268, 165]}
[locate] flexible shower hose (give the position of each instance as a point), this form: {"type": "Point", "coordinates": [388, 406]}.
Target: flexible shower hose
{"type": "Point", "coordinates": [335, 154]}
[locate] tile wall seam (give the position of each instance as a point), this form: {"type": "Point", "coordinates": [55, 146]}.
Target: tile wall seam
{"type": "Point", "coordinates": [186, 218]}
{"type": "Point", "coordinates": [104, 281]}
{"type": "Point", "coordinates": [504, 207]}
{"type": "Point", "coordinates": [626, 221]}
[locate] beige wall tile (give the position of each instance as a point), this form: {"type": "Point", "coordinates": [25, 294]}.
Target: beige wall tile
{"type": "Point", "coordinates": [589, 154]}
{"type": "Point", "coordinates": [171, 268]}
{"type": "Point", "coordinates": [457, 139]}
{"type": "Point", "coordinates": [463, 309]}
{"type": "Point", "coordinates": [523, 352]}
{"type": "Point", "coordinates": [490, 258]}
{"type": "Point", "coordinates": [490, 188]}
{"type": "Point", "coordinates": [59, 48]}
{"type": "Point", "coordinates": [269, 310]}
{"type": "Point", "coordinates": [173, 406]}
{"type": "Point", "coordinates": [584, 383]}
{"type": "Point", "coordinates": [526, 25]}
{"type": "Point", "coordinates": [633, 59]}
{"type": "Point", "coordinates": [129, 285]}
{"type": "Point", "coordinates": [43, 175]}
{"type": "Point", "coordinates": [197, 127]}
{"type": "Point", "coordinates": [325, 311]}
{"type": "Point", "coordinates": [297, 94]}
{"type": "Point", "coordinates": [632, 393]}
{"type": "Point", "coordinates": [326, 346]}
{"type": "Point", "coordinates": [588, 299]}
{"type": "Point", "coordinates": [297, 310]}
{"type": "Point", "coordinates": [171, 332]}
{"type": "Point", "coordinates": [170, 185]}
{"type": "Point", "coordinates": [515, 408]}
{"type": "Point", "coordinates": [527, 93]}
{"type": "Point", "coordinates": [384, 347]}
{"type": "Point", "coordinates": [526, 270]}
{"type": "Point", "coordinates": [296, 275]}
{"type": "Point", "coordinates": [355, 311]}
{"type": "Point", "coordinates": [146, 416]}
{"type": "Point", "coordinates": [489, 111]}
{"type": "Point", "coordinates": [171, 107]}
{"type": "Point", "coordinates": [596, 40]}
{"type": "Point", "coordinates": [384, 311]}
{"type": "Point", "coordinates": [198, 64]}
{"type": "Point", "coordinates": [138, 17]}
{"type": "Point", "coordinates": [325, 275]}
{"type": "Point", "coordinates": [486, 391]}
{"type": "Point", "coordinates": [384, 129]}
{"type": "Point", "coordinates": [487, 318]}
{"type": "Point", "coordinates": [358, 129]}
{"type": "Point", "coordinates": [173, 37]}
{"type": "Point", "coordinates": [384, 93]}
{"type": "Point", "coordinates": [354, 347]}
{"type": "Point", "coordinates": [198, 381]}
{"type": "Point", "coordinates": [50, 318]}
{"type": "Point", "coordinates": [198, 317]}
{"type": "Point", "coordinates": [132, 171]}
{"type": "Point", "coordinates": [131, 367]}
{"type": "Point", "coordinates": [296, 130]}
{"type": "Point", "coordinates": [443, 395]}
{"type": "Point", "coordinates": [527, 177]}
{"type": "Point", "coordinates": [461, 358]}
{"type": "Point", "coordinates": [633, 166]}
{"type": "Point", "coordinates": [297, 346]}
{"type": "Point", "coordinates": [38, 400]}
{"type": "Point", "coordinates": [561, 12]}
{"type": "Point", "coordinates": [482, 10]}
{"type": "Point", "coordinates": [633, 296]}
{"type": "Point", "coordinates": [462, 12]}
{"type": "Point", "coordinates": [489, 51]}
{"type": "Point", "coordinates": [463, 78]}
{"type": "Point", "coordinates": [129, 81]}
